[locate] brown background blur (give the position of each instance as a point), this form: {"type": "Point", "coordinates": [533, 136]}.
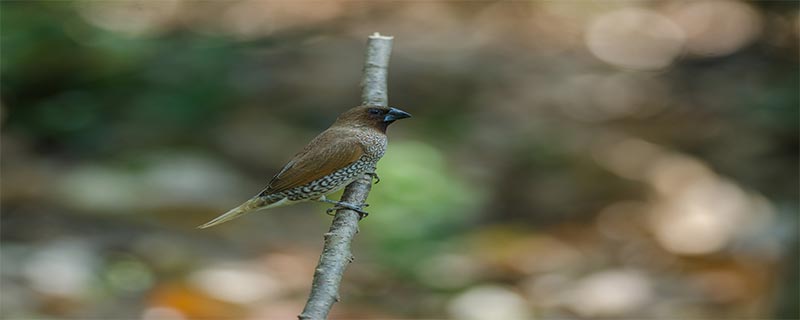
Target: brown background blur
{"type": "Point", "coordinates": [566, 159]}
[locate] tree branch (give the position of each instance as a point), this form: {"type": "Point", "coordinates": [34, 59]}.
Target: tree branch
{"type": "Point", "coordinates": [336, 252]}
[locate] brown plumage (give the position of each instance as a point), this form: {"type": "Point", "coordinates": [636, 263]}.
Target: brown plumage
{"type": "Point", "coordinates": [350, 148]}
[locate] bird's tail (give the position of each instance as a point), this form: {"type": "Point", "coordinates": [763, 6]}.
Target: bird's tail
{"type": "Point", "coordinates": [254, 204]}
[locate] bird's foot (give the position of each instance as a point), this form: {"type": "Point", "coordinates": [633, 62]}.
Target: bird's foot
{"type": "Point", "coordinates": [375, 176]}
{"type": "Point", "coordinates": [344, 205]}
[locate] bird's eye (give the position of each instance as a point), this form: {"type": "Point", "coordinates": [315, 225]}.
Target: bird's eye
{"type": "Point", "coordinates": [374, 111]}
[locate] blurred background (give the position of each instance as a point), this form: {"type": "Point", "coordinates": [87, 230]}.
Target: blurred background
{"type": "Point", "coordinates": [566, 159]}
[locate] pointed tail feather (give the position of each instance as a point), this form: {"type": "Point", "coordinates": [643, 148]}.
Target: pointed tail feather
{"type": "Point", "coordinates": [256, 203]}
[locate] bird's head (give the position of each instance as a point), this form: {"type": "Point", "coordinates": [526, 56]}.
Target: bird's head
{"type": "Point", "coordinates": [371, 116]}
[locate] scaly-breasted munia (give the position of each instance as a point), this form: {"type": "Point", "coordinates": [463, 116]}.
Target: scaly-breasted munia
{"type": "Point", "coordinates": [346, 151]}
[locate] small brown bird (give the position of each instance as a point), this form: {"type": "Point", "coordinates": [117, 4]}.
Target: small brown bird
{"type": "Point", "coordinates": [350, 148]}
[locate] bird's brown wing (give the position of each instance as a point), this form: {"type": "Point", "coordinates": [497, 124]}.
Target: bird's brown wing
{"type": "Point", "coordinates": [322, 157]}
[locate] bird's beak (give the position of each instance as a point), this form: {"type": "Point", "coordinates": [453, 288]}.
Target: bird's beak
{"type": "Point", "coordinates": [396, 114]}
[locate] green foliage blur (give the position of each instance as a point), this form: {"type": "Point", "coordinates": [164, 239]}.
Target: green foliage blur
{"type": "Point", "coordinates": [565, 159]}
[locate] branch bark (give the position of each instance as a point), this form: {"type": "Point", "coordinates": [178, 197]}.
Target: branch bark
{"type": "Point", "coordinates": [336, 253]}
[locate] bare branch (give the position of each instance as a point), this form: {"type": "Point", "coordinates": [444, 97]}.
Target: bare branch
{"type": "Point", "coordinates": [376, 69]}
{"type": "Point", "coordinates": [336, 252]}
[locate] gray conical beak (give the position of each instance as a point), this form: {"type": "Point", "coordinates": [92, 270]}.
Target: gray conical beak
{"type": "Point", "coordinates": [395, 114]}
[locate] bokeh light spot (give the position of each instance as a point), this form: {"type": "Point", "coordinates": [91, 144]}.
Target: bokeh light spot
{"type": "Point", "coordinates": [489, 302]}
{"type": "Point", "coordinates": [716, 28]}
{"type": "Point", "coordinates": [134, 17]}
{"type": "Point", "coordinates": [235, 283]}
{"type": "Point", "coordinates": [635, 38]}
{"type": "Point", "coordinates": [64, 268]}
{"type": "Point", "coordinates": [610, 293]}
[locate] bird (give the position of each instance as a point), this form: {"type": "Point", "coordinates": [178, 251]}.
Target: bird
{"type": "Point", "coordinates": [349, 149]}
